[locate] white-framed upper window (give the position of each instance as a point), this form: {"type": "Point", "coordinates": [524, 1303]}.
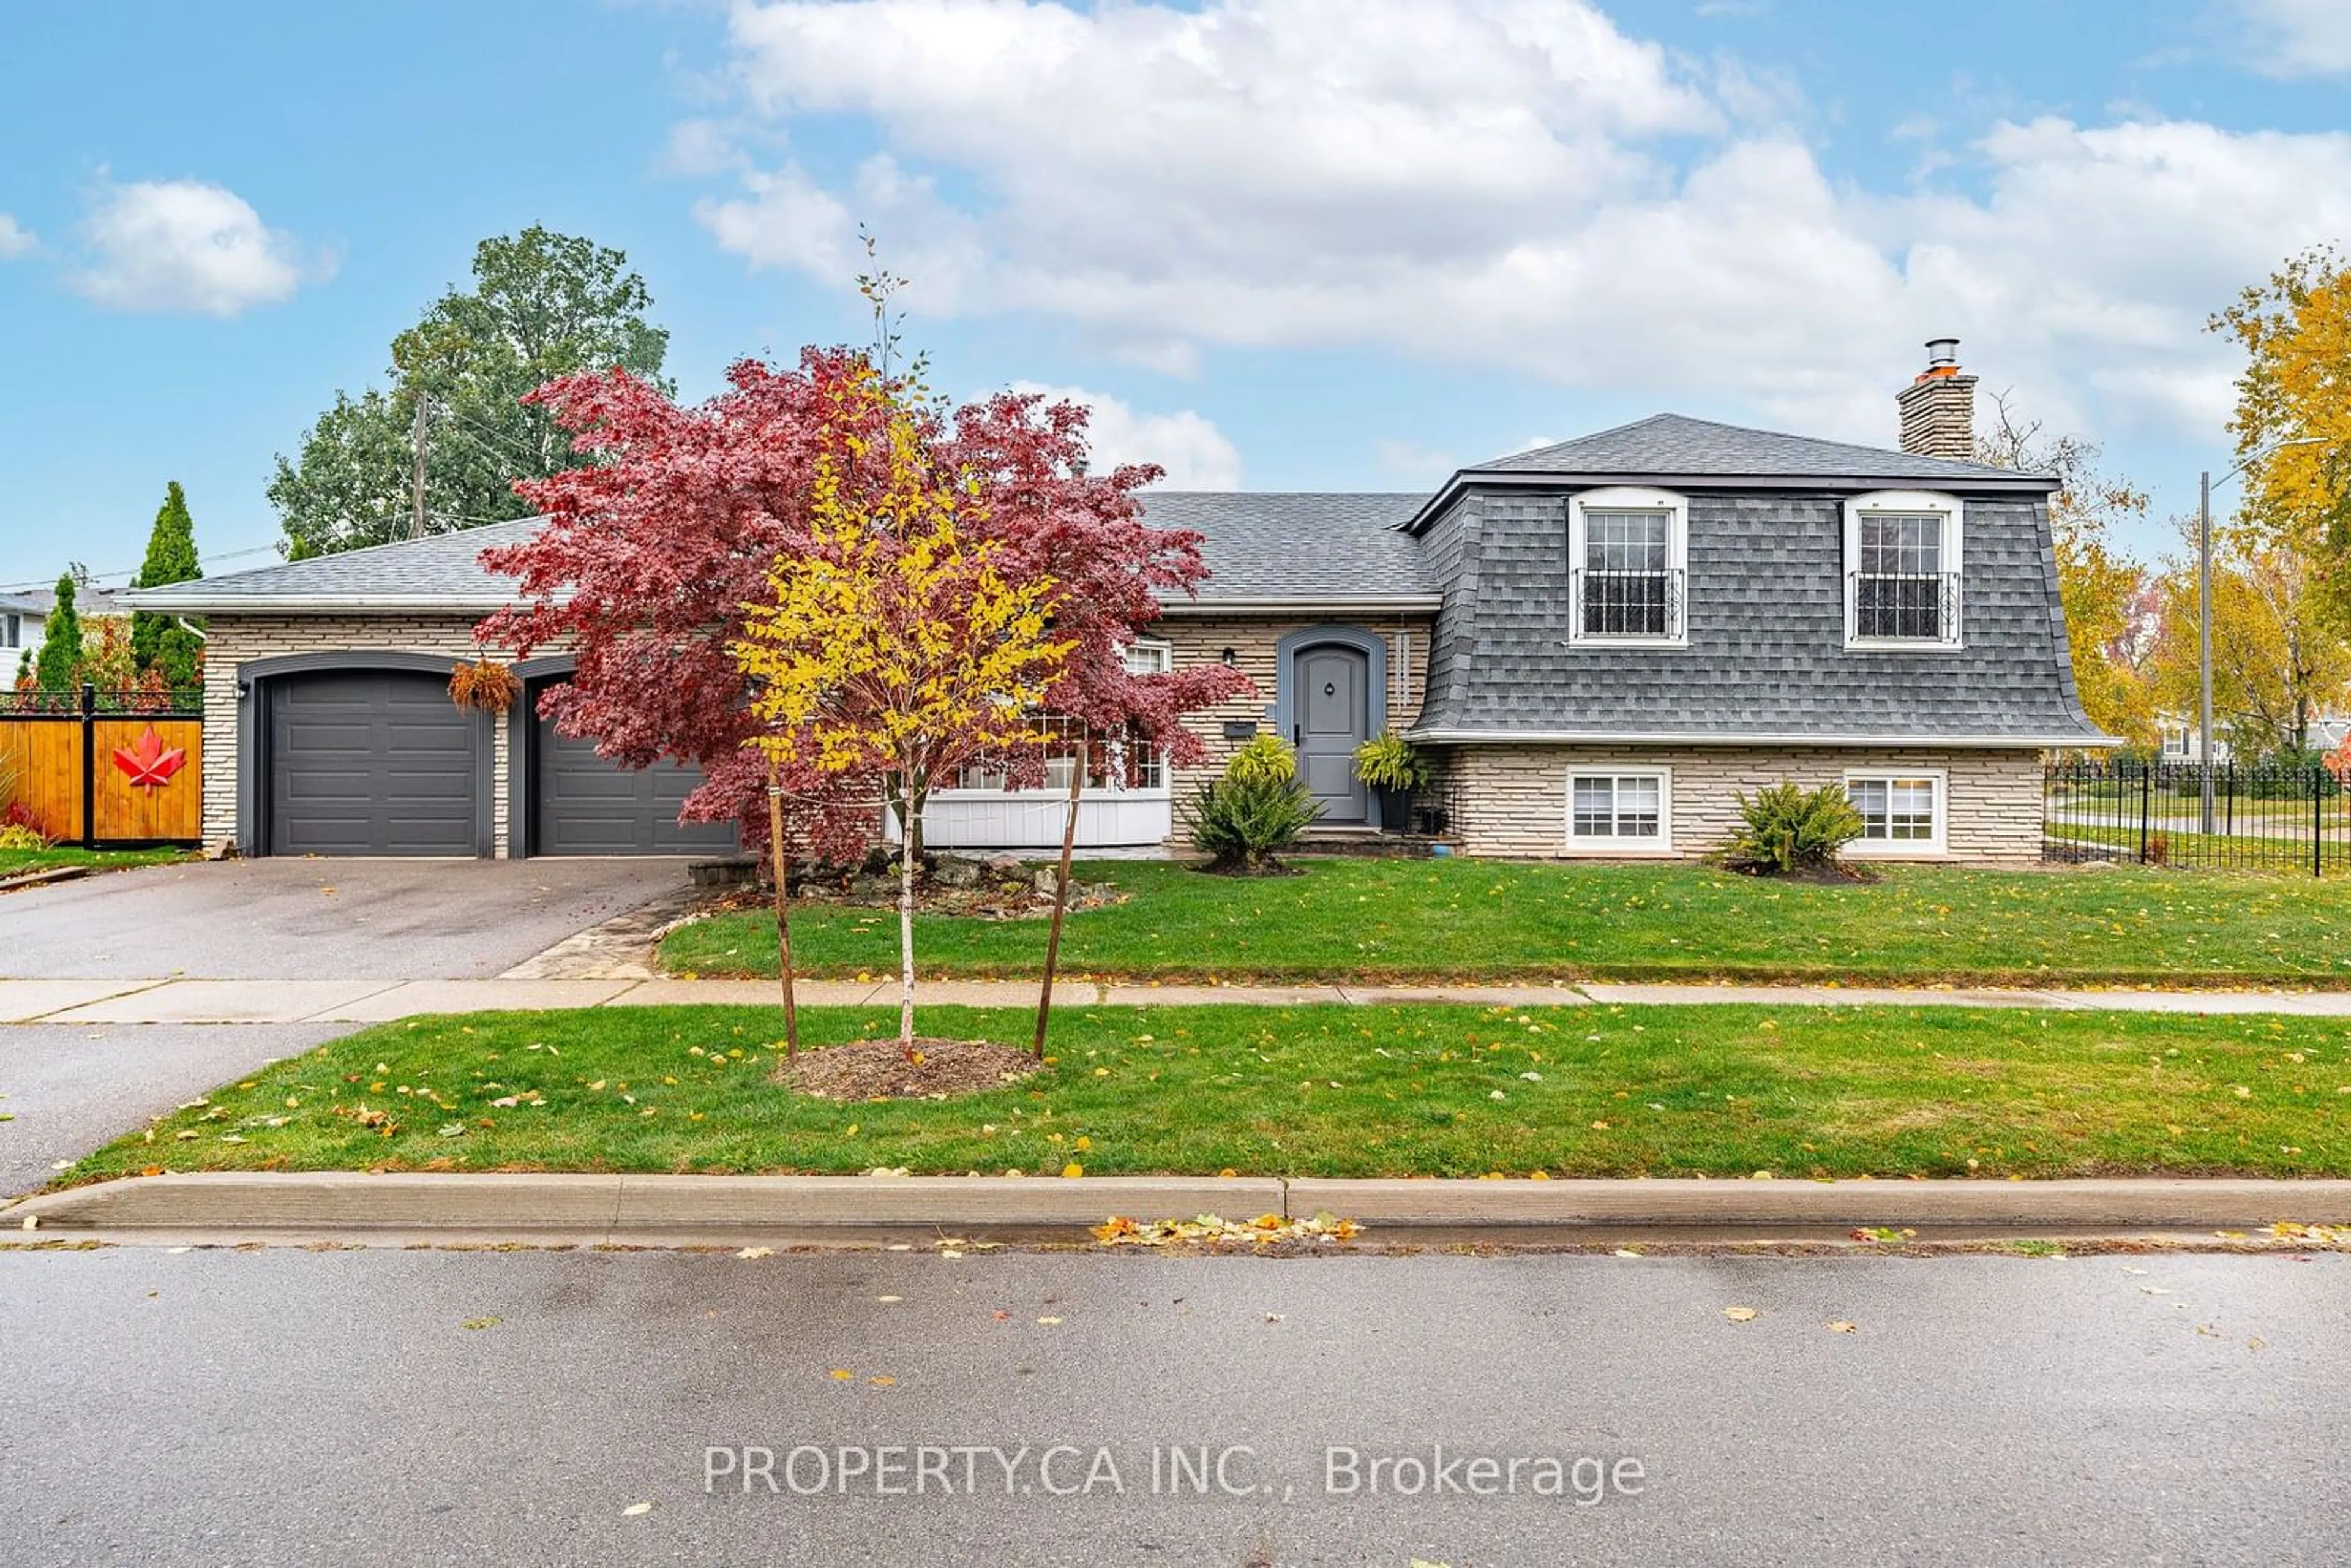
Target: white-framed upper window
{"type": "Point", "coordinates": [1148, 656]}
{"type": "Point", "coordinates": [1902, 554]}
{"type": "Point", "coordinates": [2175, 742]}
{"type": "Point", "coordinates": [1620, 810]}
{"type": "Point", "coordinates": [1901, 812]}
{"type": "Point", "coordinates": [1628, 558]}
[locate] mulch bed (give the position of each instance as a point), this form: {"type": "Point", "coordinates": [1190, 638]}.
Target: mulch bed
{"type": "Point", "coordinates": [882, 1070]}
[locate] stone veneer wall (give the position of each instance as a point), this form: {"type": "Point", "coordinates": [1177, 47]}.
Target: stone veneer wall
{"type": "Point", "coordinates": [231, 640]}
{"type": "Point", "coordinates": [1200, 639]}
{"type": "Point", "coordinates": [1511, 799]}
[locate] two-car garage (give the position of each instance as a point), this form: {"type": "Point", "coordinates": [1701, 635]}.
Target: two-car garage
{"type": "Point", "coordinates": [368, 757]}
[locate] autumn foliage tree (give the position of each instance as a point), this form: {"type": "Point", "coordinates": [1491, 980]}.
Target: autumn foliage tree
{"type": "Point", "coordinates": [657, 546]}
{"type": "Point", "coordinates": [2112, 602]}
{"type": "Point", "coordinates": [2293, 421]}
{"type": "Point", "coordinates": [891, 646]}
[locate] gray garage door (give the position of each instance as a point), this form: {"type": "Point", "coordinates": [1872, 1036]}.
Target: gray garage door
{"type": "Point", "coordinates": [369, 762]}
{"type": "Point", "coordinates": [582, 805]}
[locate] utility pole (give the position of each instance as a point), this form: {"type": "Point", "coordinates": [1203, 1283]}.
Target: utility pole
{"type": "Point", "coordinates": [416, 484]}
{"type": "Point", "coordinates": [2204, 637]}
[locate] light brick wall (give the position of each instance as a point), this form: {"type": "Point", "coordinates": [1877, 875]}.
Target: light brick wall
{"type": "Point", "coordinates": [1202, 639]}
{"type": "Point", "coordinates": [1512, 800]}
{"type": "Point", "coordinates": [233, 640]}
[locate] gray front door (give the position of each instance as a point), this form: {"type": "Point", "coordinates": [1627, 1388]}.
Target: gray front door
{"type": "Point", "coordinates": [371, 762]}
{"type": "Point", "coordinates": [584, 805]}
{"type": "Point", "coordinates": [1334, 718]}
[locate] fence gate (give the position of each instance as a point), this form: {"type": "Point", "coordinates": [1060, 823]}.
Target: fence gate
{"type": "Point", "coordinates": [104, 769]}
{"type": "Point", "coordinates": [2217, 816]}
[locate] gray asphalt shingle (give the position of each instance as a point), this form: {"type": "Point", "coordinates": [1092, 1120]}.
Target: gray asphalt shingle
{"type": "Point", "coordinates": [1673, 445]}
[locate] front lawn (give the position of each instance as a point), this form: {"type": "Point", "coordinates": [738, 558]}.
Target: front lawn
{"type": "Point", "coordinates": [16, 862]}
{"type": "Point", "coordinates": [1329, 1090]}
{"type": "Point", "coordinates": [1466, 920]}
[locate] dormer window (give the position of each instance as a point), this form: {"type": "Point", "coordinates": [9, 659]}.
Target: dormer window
{"type": "Point", "coordinates": [1628, 551]}
{"type": "Point", "coordinates": [1902, 570]}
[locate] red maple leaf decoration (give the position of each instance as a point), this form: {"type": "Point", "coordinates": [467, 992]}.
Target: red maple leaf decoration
{"type": "Point", "coordinates": [148, 762]}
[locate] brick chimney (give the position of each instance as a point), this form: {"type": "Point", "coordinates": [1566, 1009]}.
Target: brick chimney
{"type": "Point", "coordinates": [1938, 408]}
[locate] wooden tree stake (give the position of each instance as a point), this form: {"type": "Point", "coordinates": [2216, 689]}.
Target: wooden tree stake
{"type": "Point", "coordinates": [1061, 900]}
{"type": "Point", "coordinates": [783, 910]}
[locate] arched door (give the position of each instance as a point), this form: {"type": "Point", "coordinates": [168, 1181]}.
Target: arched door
{"type": "Point", "coordinates": [1331, 718]}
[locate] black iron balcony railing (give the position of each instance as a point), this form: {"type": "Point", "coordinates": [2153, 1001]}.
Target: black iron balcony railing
{"type": "Point", "coordinates": [1903, 607]}
{"type": "Point", "coordinates": [1634, 604]}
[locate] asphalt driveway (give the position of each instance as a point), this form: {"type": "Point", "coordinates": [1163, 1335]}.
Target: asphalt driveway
{"type": "Point", "coordinates": [318, 919]}
{"type": "Point", "coordinates": [67, 1088]}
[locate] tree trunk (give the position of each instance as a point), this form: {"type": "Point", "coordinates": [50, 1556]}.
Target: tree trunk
{"type": "Point", "coordinates": [782, 865]}
{"type": "Point", "coordinates": [908, 814]}
{"type": "Point", "coordinates": [1061, 906]}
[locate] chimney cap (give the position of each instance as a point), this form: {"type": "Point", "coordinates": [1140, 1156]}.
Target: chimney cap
{"type": "Point", "coordinates": [1943, 353]}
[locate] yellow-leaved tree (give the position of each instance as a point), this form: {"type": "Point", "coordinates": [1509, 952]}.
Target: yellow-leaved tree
{"type": "Point", "coordinates": [2109, 600]}
{"type": "Point", "coordinates": [2293, 422]}
{"type": "Point", "coordinates": [898, 644]}
{"type": "Point", "coordinates": [2281, 600]}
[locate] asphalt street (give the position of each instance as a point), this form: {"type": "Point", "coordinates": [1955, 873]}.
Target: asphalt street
{"type": "Point", "coordinates": [292, 919]}
{"type": "Point", "coordinates": [283, 1406]}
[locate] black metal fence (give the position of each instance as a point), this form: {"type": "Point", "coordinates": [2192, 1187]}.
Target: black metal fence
{"type": "Point", "coordinates": [2284, 817]}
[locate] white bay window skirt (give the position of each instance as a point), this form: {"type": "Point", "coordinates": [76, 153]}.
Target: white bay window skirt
{"type": "Point", "coordinates": [1033, 818]}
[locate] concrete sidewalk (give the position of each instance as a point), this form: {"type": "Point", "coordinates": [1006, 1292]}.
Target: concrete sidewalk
{"type": "Point", "coordinates": [186, 1001]}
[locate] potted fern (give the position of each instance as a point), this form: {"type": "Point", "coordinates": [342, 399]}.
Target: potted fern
{"type": "Point", "coordinates": [1395, 767]}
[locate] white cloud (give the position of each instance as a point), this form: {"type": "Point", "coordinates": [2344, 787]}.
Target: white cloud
{"type": "Point", "coordinates": [1192, 450]}
{"type": "Point", "coordinates": [2299, 38]}
{"type": "Point", "coordinates": [184, 246]}
{"type": "Point", "coordinates": [16, 239]}
{"type": "Point", "coordinates": [1509, 183]}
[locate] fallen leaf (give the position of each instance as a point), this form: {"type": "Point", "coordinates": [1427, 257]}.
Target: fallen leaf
{"type": "Point", "coordinates": [1049, 1322]}
{"type": "Point", "coordinates": [635, 1508]}
{"type": "Point", "coordinates": [1740, 1315]}
{"type": "Point", "coordinates": [842, 1374]}
{"type": "Point", "coordinates": [756, 1253]}
{"type": "Point", "coordinates": [1841, 1326]}
{"type": "Point", "coordinates": [482, 1322]}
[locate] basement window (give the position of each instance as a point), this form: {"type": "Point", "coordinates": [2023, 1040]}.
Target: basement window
{"type": "Point", "coordinates": [1901, 813]}
{"type": "Point", "coordinates": [1620, 811]}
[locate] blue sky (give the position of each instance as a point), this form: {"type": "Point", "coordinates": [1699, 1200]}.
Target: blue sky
{"type": "Point", "coordinates": [1293, 244]}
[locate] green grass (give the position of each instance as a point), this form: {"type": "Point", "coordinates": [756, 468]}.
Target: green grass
{"type": "Point", "coordinates": [1466, 920]}
{"type": "Point", "coordinates": [16, 863]}
{"type": "Point", "coordinates": [1331, 1091]}
{"type": "Point", "coordinates": [2279, 852]}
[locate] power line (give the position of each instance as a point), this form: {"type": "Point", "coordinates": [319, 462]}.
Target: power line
{"type": "Point", "coordinates": [96, 578]}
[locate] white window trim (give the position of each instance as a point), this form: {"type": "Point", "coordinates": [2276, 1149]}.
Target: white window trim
{"type": "Point", "coordinates": [1616, 848]}
{"type": "Point", "coordinates": [1936, 848]}
{"type": "Point", "coordinates": [1908, 503]}
{"type": "Point", "coordinates": [1157, 645]}
{"type": "Point", "coordinates": [1630, 499]}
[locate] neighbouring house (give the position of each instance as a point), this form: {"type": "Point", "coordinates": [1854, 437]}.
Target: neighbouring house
{"type": "Point", "coordinates": [1601, 643]}
{"type": "Point", "coordinates": [2183, 740]}
{"type": "Point", "coordinates": [25, 618]}
{"type": "Point", "coordinates": [21, 618]}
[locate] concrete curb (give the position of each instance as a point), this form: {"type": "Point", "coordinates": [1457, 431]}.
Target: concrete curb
{"type": "Point", "coordinates": [616, 1208]}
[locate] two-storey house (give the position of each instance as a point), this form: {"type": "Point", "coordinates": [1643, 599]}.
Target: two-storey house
{"type": "Point", "coordinates": [1602, 644]}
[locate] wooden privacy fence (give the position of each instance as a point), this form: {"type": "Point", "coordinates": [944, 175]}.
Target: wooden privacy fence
{"type": "Point", "coordinates": [104, 769]}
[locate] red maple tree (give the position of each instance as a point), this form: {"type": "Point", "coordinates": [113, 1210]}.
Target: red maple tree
{"type": "Point", "coordinates": [652, 551]}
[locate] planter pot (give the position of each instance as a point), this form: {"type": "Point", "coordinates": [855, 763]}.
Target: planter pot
{"type": "Point", "coordinates": [1395, 811]}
